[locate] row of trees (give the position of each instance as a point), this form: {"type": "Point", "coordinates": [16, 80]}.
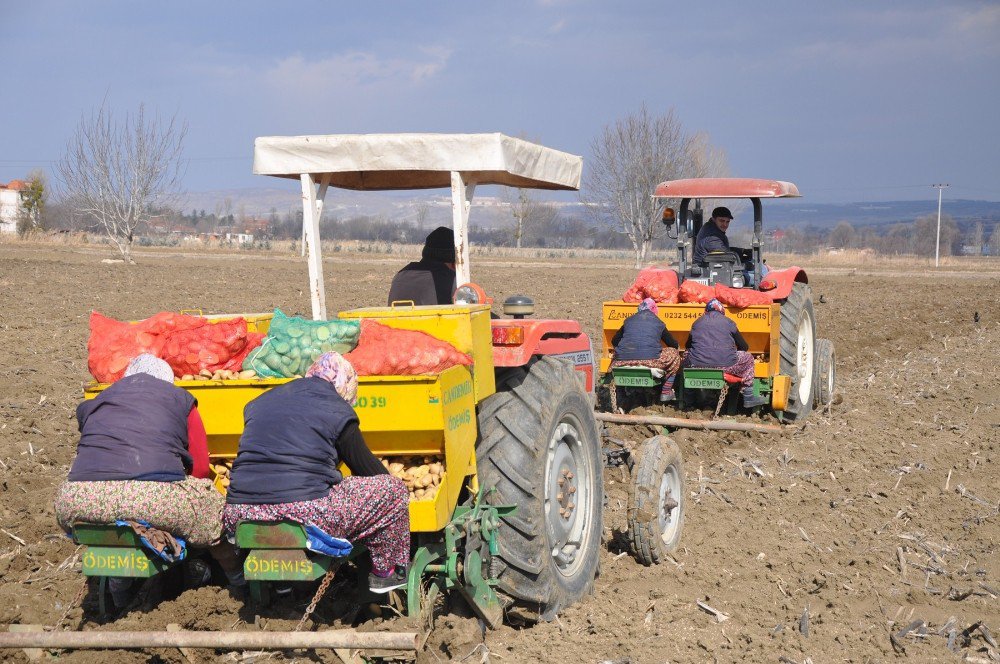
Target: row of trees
{"type": "Point", "coordinates": [121, 174]}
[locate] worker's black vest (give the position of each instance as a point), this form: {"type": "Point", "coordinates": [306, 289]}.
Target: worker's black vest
{"type": "Point", "coordinates": [288, 448]}
{"type": "Point", "coordinates": [134, 429]}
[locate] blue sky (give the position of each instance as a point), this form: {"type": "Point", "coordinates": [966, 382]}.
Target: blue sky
{"type": "Point", "coordinates": [853, 101]}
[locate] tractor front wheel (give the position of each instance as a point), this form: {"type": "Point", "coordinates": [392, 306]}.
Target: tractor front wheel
{"type": "Point", "coordinates": [539, 450]}
{"type": "Point", "coordinates": [656, 500]}
{"type": "Point", "coordinates": [826, 372]}
{"type": "Point", "coordinates": [798, 349]}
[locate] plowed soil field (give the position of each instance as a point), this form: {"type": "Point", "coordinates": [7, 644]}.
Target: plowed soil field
{"type": "Point", "coordinates": [868, 533]}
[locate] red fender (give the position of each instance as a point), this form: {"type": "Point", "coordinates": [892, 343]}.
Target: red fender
{"type": "Point", "coordinates": [783, 280]}
{"type": "Point", "coordinates": [515, 341]}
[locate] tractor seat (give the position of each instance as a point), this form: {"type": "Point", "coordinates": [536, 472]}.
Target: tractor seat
{"type": "Point", "coordinates": [730, 378]}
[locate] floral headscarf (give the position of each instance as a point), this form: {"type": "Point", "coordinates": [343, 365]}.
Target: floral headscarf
{"type": "Point", "coordinates": [333, 368]}
{"type": "Point", "coordinates": [150, 365]}
{"type": "Point", "coordinates": [715, 305]}
{"type": "Point", "coordinates": [649, 304]}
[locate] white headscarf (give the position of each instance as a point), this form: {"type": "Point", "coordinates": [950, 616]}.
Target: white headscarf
{"type": "Point", "coordinates": [150, 365]}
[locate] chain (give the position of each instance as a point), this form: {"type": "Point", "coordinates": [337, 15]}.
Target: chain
{"type": "Point", "coordinates": [317, 597]}
{"type": "Point", "coordinates": [76, 601]}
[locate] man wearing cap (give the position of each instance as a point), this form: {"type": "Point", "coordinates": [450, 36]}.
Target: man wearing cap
{"type": "Point", "coordinates": [431, 280]}
{"type": "Point", "coordinates": [712, 236]}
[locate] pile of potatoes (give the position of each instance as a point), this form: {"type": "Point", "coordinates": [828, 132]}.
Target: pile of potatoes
{"type": "Point", "coordinates": [222, 469]}
{"type": "Point", "coordinates": [221, 374]}
{"type": "Point", "coordinates": [421, 475]}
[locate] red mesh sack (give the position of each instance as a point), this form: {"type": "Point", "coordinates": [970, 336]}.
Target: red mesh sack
{"type": "Point", "coordinates": [655, 282]}
{"type": "Point", "coordinates": [111, 346]}
{"type": "Point", "coordinates": [692, 291]}
{"type": "Point", "coordinates": [388, 351]}
{"type": "Point", "coordinates": [211, 346]}
{"type": "Point", "coordinates": [740, 297]}
{"type": "Point", "coordinates": [187, 343]}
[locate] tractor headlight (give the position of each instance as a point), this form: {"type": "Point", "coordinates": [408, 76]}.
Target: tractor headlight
{"type": "Point", "coordinates": [470, 294]}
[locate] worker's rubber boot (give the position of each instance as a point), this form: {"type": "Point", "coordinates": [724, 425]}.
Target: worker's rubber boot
{"type": "Point", "coordinates": [750, 400]}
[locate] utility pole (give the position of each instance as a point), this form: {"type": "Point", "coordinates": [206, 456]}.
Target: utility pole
{"type": "Point", "coordinates": [937, 244]}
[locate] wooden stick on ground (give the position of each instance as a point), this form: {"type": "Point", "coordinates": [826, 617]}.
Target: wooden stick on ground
{"type": "Point", "coordinates": [341, 638]}
{"type": "Point", "coordinates": [685, 423]}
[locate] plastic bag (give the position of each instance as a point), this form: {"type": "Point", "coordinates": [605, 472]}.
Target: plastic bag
{"type": "Point", "coordinates": [693, 291]}
{"type": "Point", "coordinates": [740, 297]}
{"type": "Point", "coordinates": [293, 344]}
{"type": "Point", "coordinates": [389, 351]}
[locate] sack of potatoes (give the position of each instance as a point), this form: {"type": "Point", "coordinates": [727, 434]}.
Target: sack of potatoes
{"type": "Point", "coordinates": [421, 475]}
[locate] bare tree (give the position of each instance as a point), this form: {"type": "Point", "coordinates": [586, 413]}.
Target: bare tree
{"type": "Point", "coordinates": [528, 213]}
{"type": "Point", "coordinates": [632, 156]}
{"type": "Point", "coordinates": [842, 235]}
{"type": "Point", "coordinates": [33, 199]}
{"type": "Point", "coordinates": [994, 243]}
{"type": "Point", "coordinates": [117, 170]}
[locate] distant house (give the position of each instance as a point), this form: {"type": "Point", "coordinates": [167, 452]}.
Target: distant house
{"type": "Point", "coordinates": [10, 204]}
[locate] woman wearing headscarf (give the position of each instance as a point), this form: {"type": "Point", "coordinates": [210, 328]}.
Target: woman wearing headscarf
{"type": "Point", "coordinates": [638, 343]}
{"type": "Point", "coordinates": [293, 438]}
{"type": "Point", "coordinates": [143, 457]}
{"type": "Point", "coordinates": [716, 343]}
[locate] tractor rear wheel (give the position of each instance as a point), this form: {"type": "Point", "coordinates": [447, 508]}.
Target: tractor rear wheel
{"type": "Point", "coordinates": [798, 349]}
{"type": "Point", "coordinates": [656, 500]}
{"type": "Point", "coordinates": [539, 450]}
{"type": "Point", "coordinates": [826, 372]}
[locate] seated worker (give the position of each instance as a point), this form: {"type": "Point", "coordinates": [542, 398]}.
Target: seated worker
{"type": "Point", "coordinates": [286, 468]}
{"type": "Point", "coordinates": [712, 238]}
{"type": "Point", "coordinates": [431, 280]}
{"type": "Point", "coordinates": [637, 344]}
{"type": "Point", "coordinates": [143, 456]}
{"type": "Point", "coordinates": [716, 343]}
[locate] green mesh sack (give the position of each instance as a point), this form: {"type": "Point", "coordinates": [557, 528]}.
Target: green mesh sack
{"type": "Point", "coordinates": [293, 344]}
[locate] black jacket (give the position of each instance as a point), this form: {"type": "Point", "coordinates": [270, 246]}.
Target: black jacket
{"type": "Point", "coordinates": [424, 282]}
{"type": "Point", "coordinates": [710, 238]}
{"type": "Point", "coordinates": [135, 429]}
{"type": "Point", "coordinates": [288, 451]}
{"type": "Point", "coordinates": [713, 342]}
{"type": "Point", "coordinates": [639, 337]}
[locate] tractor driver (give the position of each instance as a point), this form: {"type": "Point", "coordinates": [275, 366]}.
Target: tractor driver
{"type": "Point", "coordinates": [712, 238]}
{"type": "Point", "coordinates": [431, 280]}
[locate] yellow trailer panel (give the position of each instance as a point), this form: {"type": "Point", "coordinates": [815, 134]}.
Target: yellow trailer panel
{"type": "Point", "coordinates": [759, 324]}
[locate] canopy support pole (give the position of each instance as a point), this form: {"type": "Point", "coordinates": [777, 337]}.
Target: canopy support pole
{"type": "Point", "coordinates": [312, 208]}
{"type": "Point", "coordinates": [461, 202]}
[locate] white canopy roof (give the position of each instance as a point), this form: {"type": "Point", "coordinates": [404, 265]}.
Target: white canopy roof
{"type": "Point", "coordinates": [416, 161]}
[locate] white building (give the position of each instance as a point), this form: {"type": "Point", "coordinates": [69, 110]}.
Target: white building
{"type": "Point", "coordinates": [10, 204]}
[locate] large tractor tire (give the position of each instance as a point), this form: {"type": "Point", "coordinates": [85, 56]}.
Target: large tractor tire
{"type": "Point", "coordinates": [826, 372]}
{"type": "Point", "coordinates": [798, 349]}
{"type": "Point", "coordinates": [656, 500]}
{"type": "Point", "coordinates": [539, 450]}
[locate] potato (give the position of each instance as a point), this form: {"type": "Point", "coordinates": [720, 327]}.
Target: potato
{"type": "Point", "coordinates": [385, 463]}
{"type": "Point", "coordinates": [396, 468]}
{"type": "Point", "coordinates": [187, 377]}
{"type": "Point", "coordinates": [419, 494]}
{"type": "Point", "coordinates": [430, 492]}
{"type": "Point", "coordinates": [437, 468]}
{"type": "Point", "coordinates": [248, 374]}
{"type": "Point", "coordinates": [224, 482]}
{"type": "Point", "coordinates": [206, 373]}
{"type": "Point", "coordinates": [424, 481]}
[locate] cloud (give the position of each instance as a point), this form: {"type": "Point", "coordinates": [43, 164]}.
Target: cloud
{"type": "Point", "coordinates": [904, 35]}
{"type": "Point", "coordinates": [354, 69]}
